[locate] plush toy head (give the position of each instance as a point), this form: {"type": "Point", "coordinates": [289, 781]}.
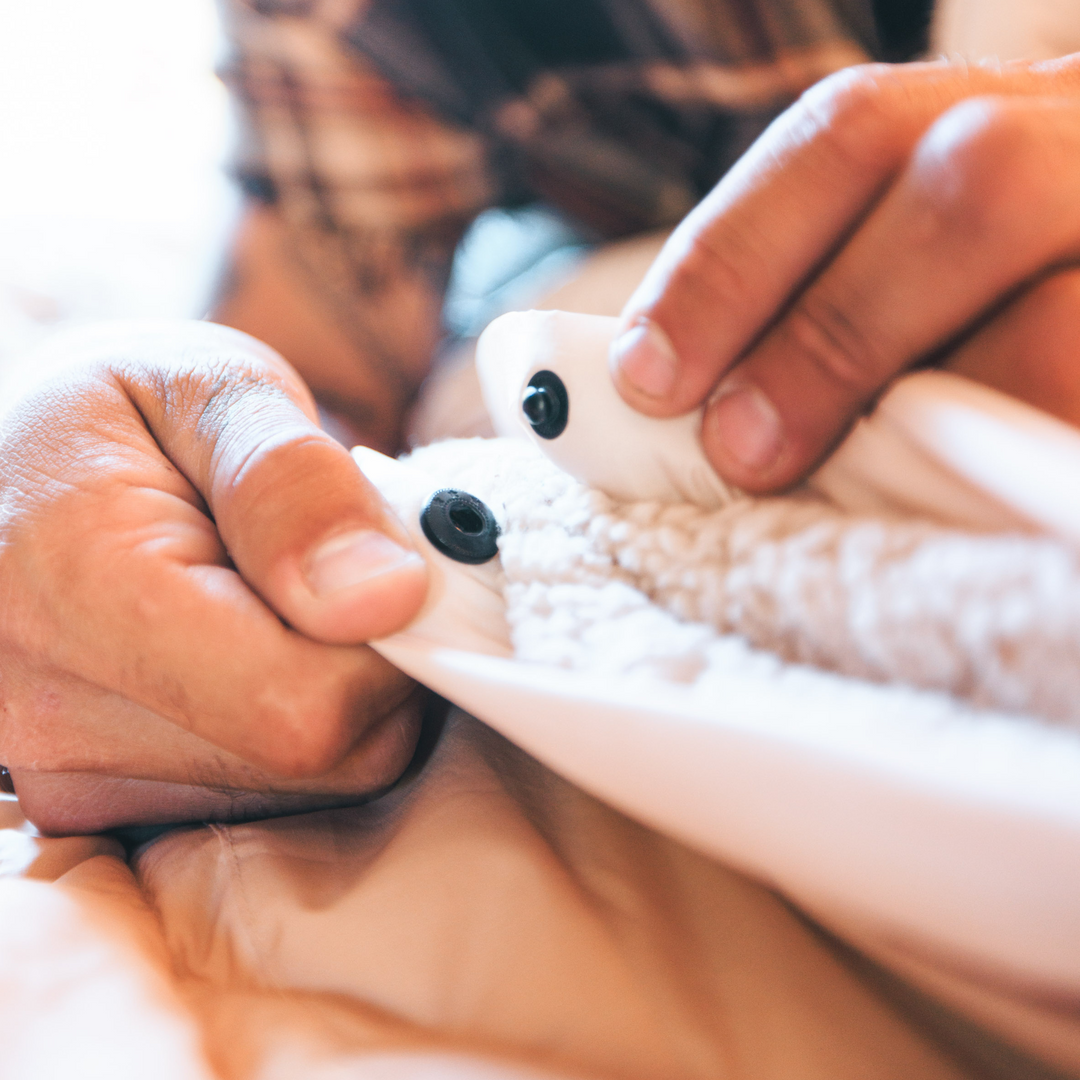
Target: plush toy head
{"type": "Point", "coordinates": [544, 376]}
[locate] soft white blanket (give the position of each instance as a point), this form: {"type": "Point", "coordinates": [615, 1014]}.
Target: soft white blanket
{"type": "Point", "coordinates": [674, 592]}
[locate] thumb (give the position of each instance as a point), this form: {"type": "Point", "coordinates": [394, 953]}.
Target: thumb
{"type": "Point", "coordinates": [299, 520]}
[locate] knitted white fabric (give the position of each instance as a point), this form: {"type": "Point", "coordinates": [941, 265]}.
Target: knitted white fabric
{"type": "Point", "coordinates": [678, 593]}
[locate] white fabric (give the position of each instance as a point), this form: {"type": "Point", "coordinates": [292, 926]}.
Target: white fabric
{"type": "Point", "coordinates": [485, 919]}
{"type": "Point", "coordinates": [613, 588]}
{"type": "Point", "coordinates": [687, 663]}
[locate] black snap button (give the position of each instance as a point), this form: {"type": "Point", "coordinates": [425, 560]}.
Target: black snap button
{"type": "Point", "coordinates": [460, 526]}
{"type": "Point", "coordinates": [546, 404]}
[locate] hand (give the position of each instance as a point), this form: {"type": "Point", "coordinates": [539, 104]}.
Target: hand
{"type": "Point", "coordinates": [871, 226]}
{"type": "Point", "coordinates": [187, 564]}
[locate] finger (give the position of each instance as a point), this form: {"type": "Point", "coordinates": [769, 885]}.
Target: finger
{"type": "Point", "coordinates": [1030, 349]}
{"type": "Point", "coordinates": [88, 769]}
{"type": "Point", "coordinates": [990, 199]}
{"type": "Point", "coordinates": [299, 520]}
{"type": "Point", "coordinates": [777, 216]}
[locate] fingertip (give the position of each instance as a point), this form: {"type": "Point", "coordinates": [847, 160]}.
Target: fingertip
{"type": "Point", "coordinates": [644, 364]}
{"type": "Point", "coordinates": [351, 560]}
{"type": "Point", "coordinates": [744, 437]}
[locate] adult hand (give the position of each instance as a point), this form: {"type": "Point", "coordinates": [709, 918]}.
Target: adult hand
{"type": "Point", "coordinates": [870, 227]}
{"type": "Point", "coordinates": [187, 564]}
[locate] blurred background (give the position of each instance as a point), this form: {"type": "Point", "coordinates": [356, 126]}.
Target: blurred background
{"type": "Point", "coordinates": [114, 202]}
{"type": "Point", "coordinates": [112, 133]}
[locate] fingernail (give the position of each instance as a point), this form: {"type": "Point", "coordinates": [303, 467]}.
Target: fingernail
{"type": "Point", "coordinates": [353, 558]}
{"type": "Point", "coordinates": [645, 360]}
{"type": "Point", "coordinates": [747, 425]}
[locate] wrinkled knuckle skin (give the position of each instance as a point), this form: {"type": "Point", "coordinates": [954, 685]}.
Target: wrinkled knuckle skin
{"type": "Point", "coordinates": [306, 734]}
{"type": "Point", "coordinates": [375, 711]}
{"type": "Point", "coordinates": [716, 271]}
{"type": "Point", "coordinates": [204, 394]}
{"type": "Point", "coordinates": [206, 397]}
{"type": "Point", "coordinates": [823, 335]}
{"type": "Point", "coordinates": [299, 744]}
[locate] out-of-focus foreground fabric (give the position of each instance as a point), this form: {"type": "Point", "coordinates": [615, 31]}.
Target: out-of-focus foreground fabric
{"type": "Point", "coordinates": [487, 919]}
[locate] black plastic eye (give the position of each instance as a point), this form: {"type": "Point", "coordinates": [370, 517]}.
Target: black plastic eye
{"type": "Point", "coordinates": [546, 405]}
{"type": "Point", "coordinates": [460, 526]}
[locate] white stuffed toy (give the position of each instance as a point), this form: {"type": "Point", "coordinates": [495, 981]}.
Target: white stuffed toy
{"type": "Point", "coordinates": [928, 551]}
{"type": "Point", "coordinates": [866, 692]}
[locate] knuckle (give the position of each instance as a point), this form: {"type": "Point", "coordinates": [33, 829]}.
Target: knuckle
{"type": "Point", "coordinates": [855, 113]}
{"type": "Point", "coordinates": [306, 728]}
{"type": "Point", "coordinates": [720, 268]}
{"type": "Point", "coordinates": [238, 421]}
{"type": "Point", "coordinates": [204, 386]}
{"type": "Point", "coordinates": [208, 396]}
{"type": "Point", "coordinates": [372, 707]}
{"type": "Point", "coordinates": [302, 744]}
{"type": "Point", "coordinates": [822, 334]}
